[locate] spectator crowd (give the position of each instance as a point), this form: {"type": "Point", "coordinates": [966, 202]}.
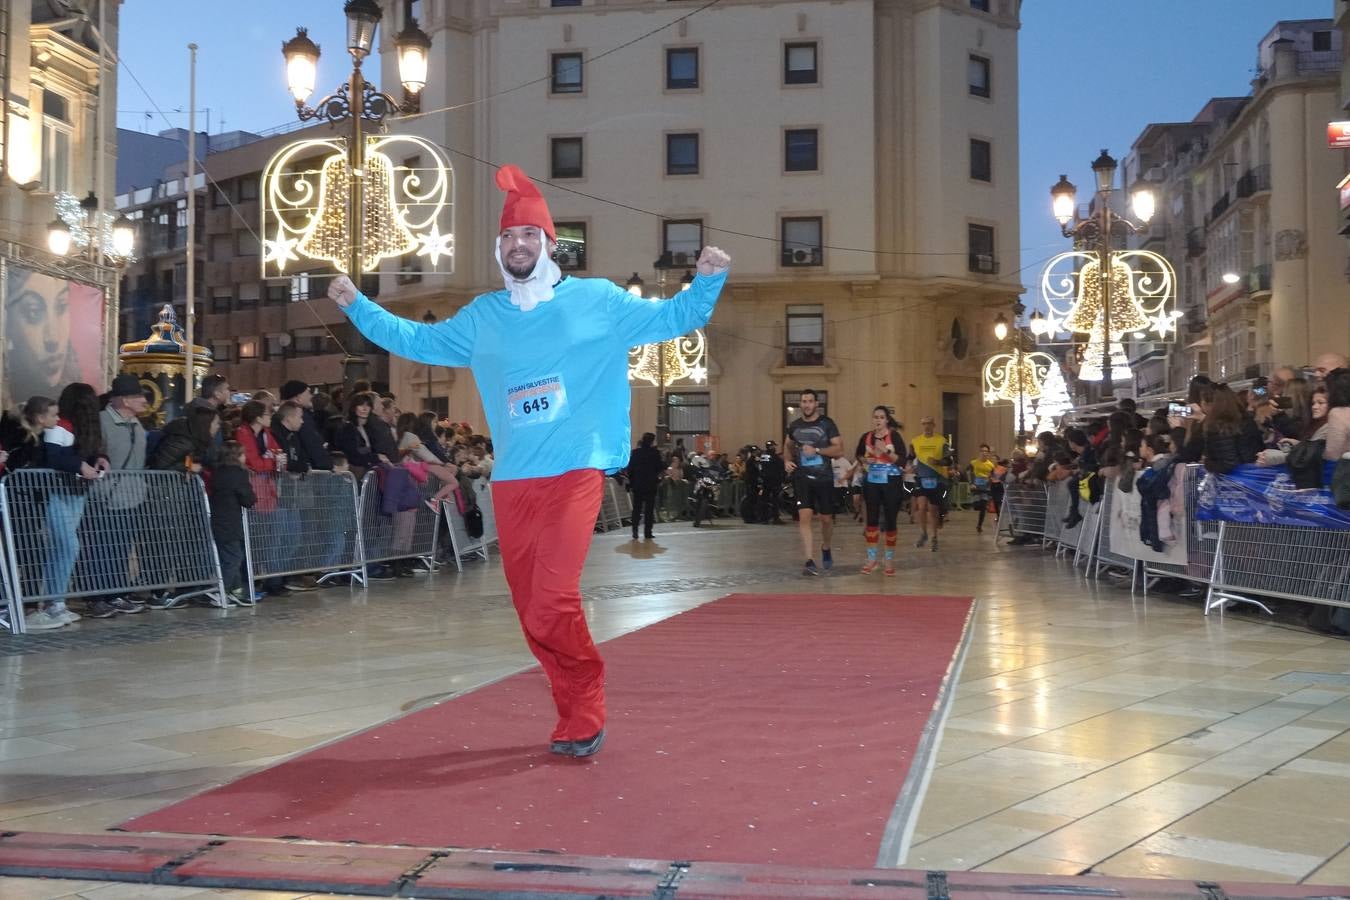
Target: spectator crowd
{"type": "Point", "coordinates": [243, 447]}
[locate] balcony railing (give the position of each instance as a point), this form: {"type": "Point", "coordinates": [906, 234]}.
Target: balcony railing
{"type": "Point", "coordinates": [1219, 208]}
{"type": "Point", "coordinates": [1254, 182]}
{"type": "Point", "coordinates": [1195, 243]}
{"type": "Point", "coordinates": [1258, 279]}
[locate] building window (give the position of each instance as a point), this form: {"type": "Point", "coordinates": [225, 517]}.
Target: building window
{"type": "Point", "coordinates": [438, 405]}
{"type": "Point", "coordinates": [275, 345]}
{"type": "Point", "coordinates": [566, 73]}
{"type": "Point", "coordinates": [682, 239]}
{"type": "Point", "coordinates": [981, 160]}
{"type": "Point", "coordinates": [222, 351]}
{"type": "Point", "coordinates": [681, 68]}
{"type": "Point", "coordinates": [299, 287]}
{"type": "Point", "coordinates": [1321, 40]}
{"type": "Point", "coordinates": [247, 243]}
{"type": "Point", "coordinates": [977, 74]}
{"type": "Point", "coordinates": [806, 335]}
{"type": "Point", "coordinates": [221, 301]}
{"type": "Point", "coordinates": [801, 150]}
{"type": "Point", "coordinates": [248, 348]}
{"type": "Point", "coordinates": [792, 406]}
{"type": "Point", "coordinates": [688, 415]}
{"type": "Point", "coordinates": [799, 63]}
{"type": "Point", "coordinates": [277, 294]}
{"type": "Point", "coordinates": [980, 240]}
{"type": "Point", "coordinates": [565, 3]}
{"type": "Point", "coordinates": [57, 136]}
{"type": "Point", "coordinates": [571, 253]}
{"type": "Point", "coordinates": [565, 154]}
{"type": "Point", "coordinates": [410, 272]}
{"type": "Point", "coordinates": [248, 296]}
{"type": "Point", "coordinates": [682, 154]}
{"type": "Point", "coordinates": [248, 189]}
{"type": "Point", "coordinates": [802, 243]}
{"type": "Point", "coordinates": [980, 5]}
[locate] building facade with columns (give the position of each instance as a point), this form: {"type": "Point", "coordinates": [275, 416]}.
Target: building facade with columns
{"type": "Point", "coordinates": [858, 159]}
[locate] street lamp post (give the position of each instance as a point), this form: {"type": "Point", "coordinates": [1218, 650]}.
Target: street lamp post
{"type": "Point", "coordinates": [636, 286]}
{"type": "Point", "coordinates": [1094, 232]}
{"type": "Point", "coordinates": [357, 101]}
{"type": "Point", "coordinates": [429, 318]}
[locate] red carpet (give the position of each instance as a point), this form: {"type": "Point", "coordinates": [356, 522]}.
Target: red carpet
{"type": "Point", "coordinates": [755, 729]}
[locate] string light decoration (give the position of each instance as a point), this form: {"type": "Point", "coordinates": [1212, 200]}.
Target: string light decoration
{"type": "Point", "coordinates": [1054, 402]}
{"type": "Point", "coordinates": [1137, 298]}
{"type": "Point", "coordinates": [665, 363]}
{"type": "Point", "coordinates": [407, 208]}
{"type": "Point", "coordinates": [88, 227]}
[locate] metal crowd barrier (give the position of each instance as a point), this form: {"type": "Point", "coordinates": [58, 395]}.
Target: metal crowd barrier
{"type": "Point", "coordinates": [127, 532]}
{"type": "Point", "coordinates": [303, 524]}
{"type": "Point", "coordinates": [1202, 537]}
{"type": "Point", "coordinates": [462, 544]}
{"type": "Point", "coordinates": [1292, 563]}
{"type": "Point", "coordinates": [1105, 557]}
{"type": "Point", "coordinates": [1089, 530]}
{"type": "Point", "coordinates": [1024, 509]}
{"type": "Point", "coordinates": [1056, 510]}
{"type": "Point", "coordinates": [615, 506]}
{"type": "Point", "coordinates": [401, 534]}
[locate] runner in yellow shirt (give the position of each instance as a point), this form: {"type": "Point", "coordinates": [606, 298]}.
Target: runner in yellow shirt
{"type": "Point", "coordinates": [931, 458]}
{"type": "Point", "coordinates": [981, 471]}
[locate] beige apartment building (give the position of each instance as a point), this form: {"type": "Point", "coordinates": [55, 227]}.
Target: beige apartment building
{"type": "Point", "coordinates": [1252, 187]}
{"type": "Point", "coordinates": [858, 159]}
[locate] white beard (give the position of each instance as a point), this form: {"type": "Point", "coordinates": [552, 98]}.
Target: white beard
{"type": "Point", "coordinates": [529, 292]}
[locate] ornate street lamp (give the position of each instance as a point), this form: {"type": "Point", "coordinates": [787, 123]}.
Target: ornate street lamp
{"type": "Point", "coordinates": [667, 362]}
{"type": "Point", "coordinates": [79, 227]}
{"type": "Point", "coordinates": [1101, 292]}
{"type": "Point", "coordinates": [345, 202]}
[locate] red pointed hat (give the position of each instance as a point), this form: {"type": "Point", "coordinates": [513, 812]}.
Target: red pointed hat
{"type": "Point", "coordinates": [524, 204]}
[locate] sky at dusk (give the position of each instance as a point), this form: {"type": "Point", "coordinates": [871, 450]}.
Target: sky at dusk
{"type": "Point", "coordinates": [1093, 74]}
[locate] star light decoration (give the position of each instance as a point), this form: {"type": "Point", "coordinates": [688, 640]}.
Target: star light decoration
{"type": "Point", "coordinates": [407, 208]}
{"type": "Point", "coordinates": [83, 232]}
{"type": "Point", "coordinates": [668, 362]}
{"type": "Point", "coordinates": [1141, 288]}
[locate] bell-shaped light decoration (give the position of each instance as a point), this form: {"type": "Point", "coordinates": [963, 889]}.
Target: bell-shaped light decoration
{"type": "Point", "coordinates": [302, 65]}
{"type": "Point", "coordinates": [1088, 312]}
{"type": "Point", "coordinates": [123, 236]}
{"type": "Point", "coordinates": [1091, 368]}
{"type": "Point", "coordinates": [1143, 204]}
{"type": "Point", "coordinates": [669, 362]}
{"type": "Point", "coordinates": [383, 232]}
{"type": "Point", "coordinates": [413, 49]}
{"type": "Point", "coordinates": [363, 19]}
{"type": "Point", "coordinates": [1064, 199]}
{"type": "Point", "coordinates": [58, 237]}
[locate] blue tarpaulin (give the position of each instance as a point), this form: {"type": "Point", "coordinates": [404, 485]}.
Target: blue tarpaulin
{"type": "Point", "coordinates": [1266, 496]}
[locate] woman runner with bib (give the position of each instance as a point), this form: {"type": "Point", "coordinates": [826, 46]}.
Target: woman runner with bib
{"type": "Point", "coordinates": [880, 452]}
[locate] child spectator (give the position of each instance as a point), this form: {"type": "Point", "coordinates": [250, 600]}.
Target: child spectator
{"type": "Point", "coordinates": [231, 494]}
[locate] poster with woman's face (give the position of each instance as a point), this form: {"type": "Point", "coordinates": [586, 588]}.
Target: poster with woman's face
{"type": "Point", "coordinates": [54, 335]}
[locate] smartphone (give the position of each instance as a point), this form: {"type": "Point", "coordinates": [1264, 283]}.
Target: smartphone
{"type": "Point", "coordinates": [1181, 410]}
{"type": "Point", "coordinates": [1260, 391]}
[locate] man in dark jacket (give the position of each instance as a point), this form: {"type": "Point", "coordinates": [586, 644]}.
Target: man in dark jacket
{"type": "Point", "coordinates": [644, 477]}
{"type": "Point", "coordinates": [310, 436]}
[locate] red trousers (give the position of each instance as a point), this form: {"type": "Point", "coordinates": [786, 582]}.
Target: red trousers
{"type": "Point", "coordinates": [544, 528]}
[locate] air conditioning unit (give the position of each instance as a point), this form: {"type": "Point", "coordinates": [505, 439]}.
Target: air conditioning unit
{"type": "Point", "coordinates": [681, 259]}
{"type": "Point", "coordinates": [568, 259]}
{"type": "Point", "coordinates": [985, 264]}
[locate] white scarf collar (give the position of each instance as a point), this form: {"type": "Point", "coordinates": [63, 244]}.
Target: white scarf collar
{"type": "Point", "coordinates": [538, 288]}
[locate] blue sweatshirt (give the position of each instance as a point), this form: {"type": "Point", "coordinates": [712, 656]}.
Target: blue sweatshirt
{"type": "Point", "coordinates": [554, 380]}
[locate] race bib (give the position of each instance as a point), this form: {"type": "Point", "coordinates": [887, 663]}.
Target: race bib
{"type": "Point", "coordinates": [536, 402]}
{"type": "Point", "coordinates": [929, 484]}
{"type": "Point", "coordinates": [981, 482]}
{"type": "Point", "coordinates": [880, 473]}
